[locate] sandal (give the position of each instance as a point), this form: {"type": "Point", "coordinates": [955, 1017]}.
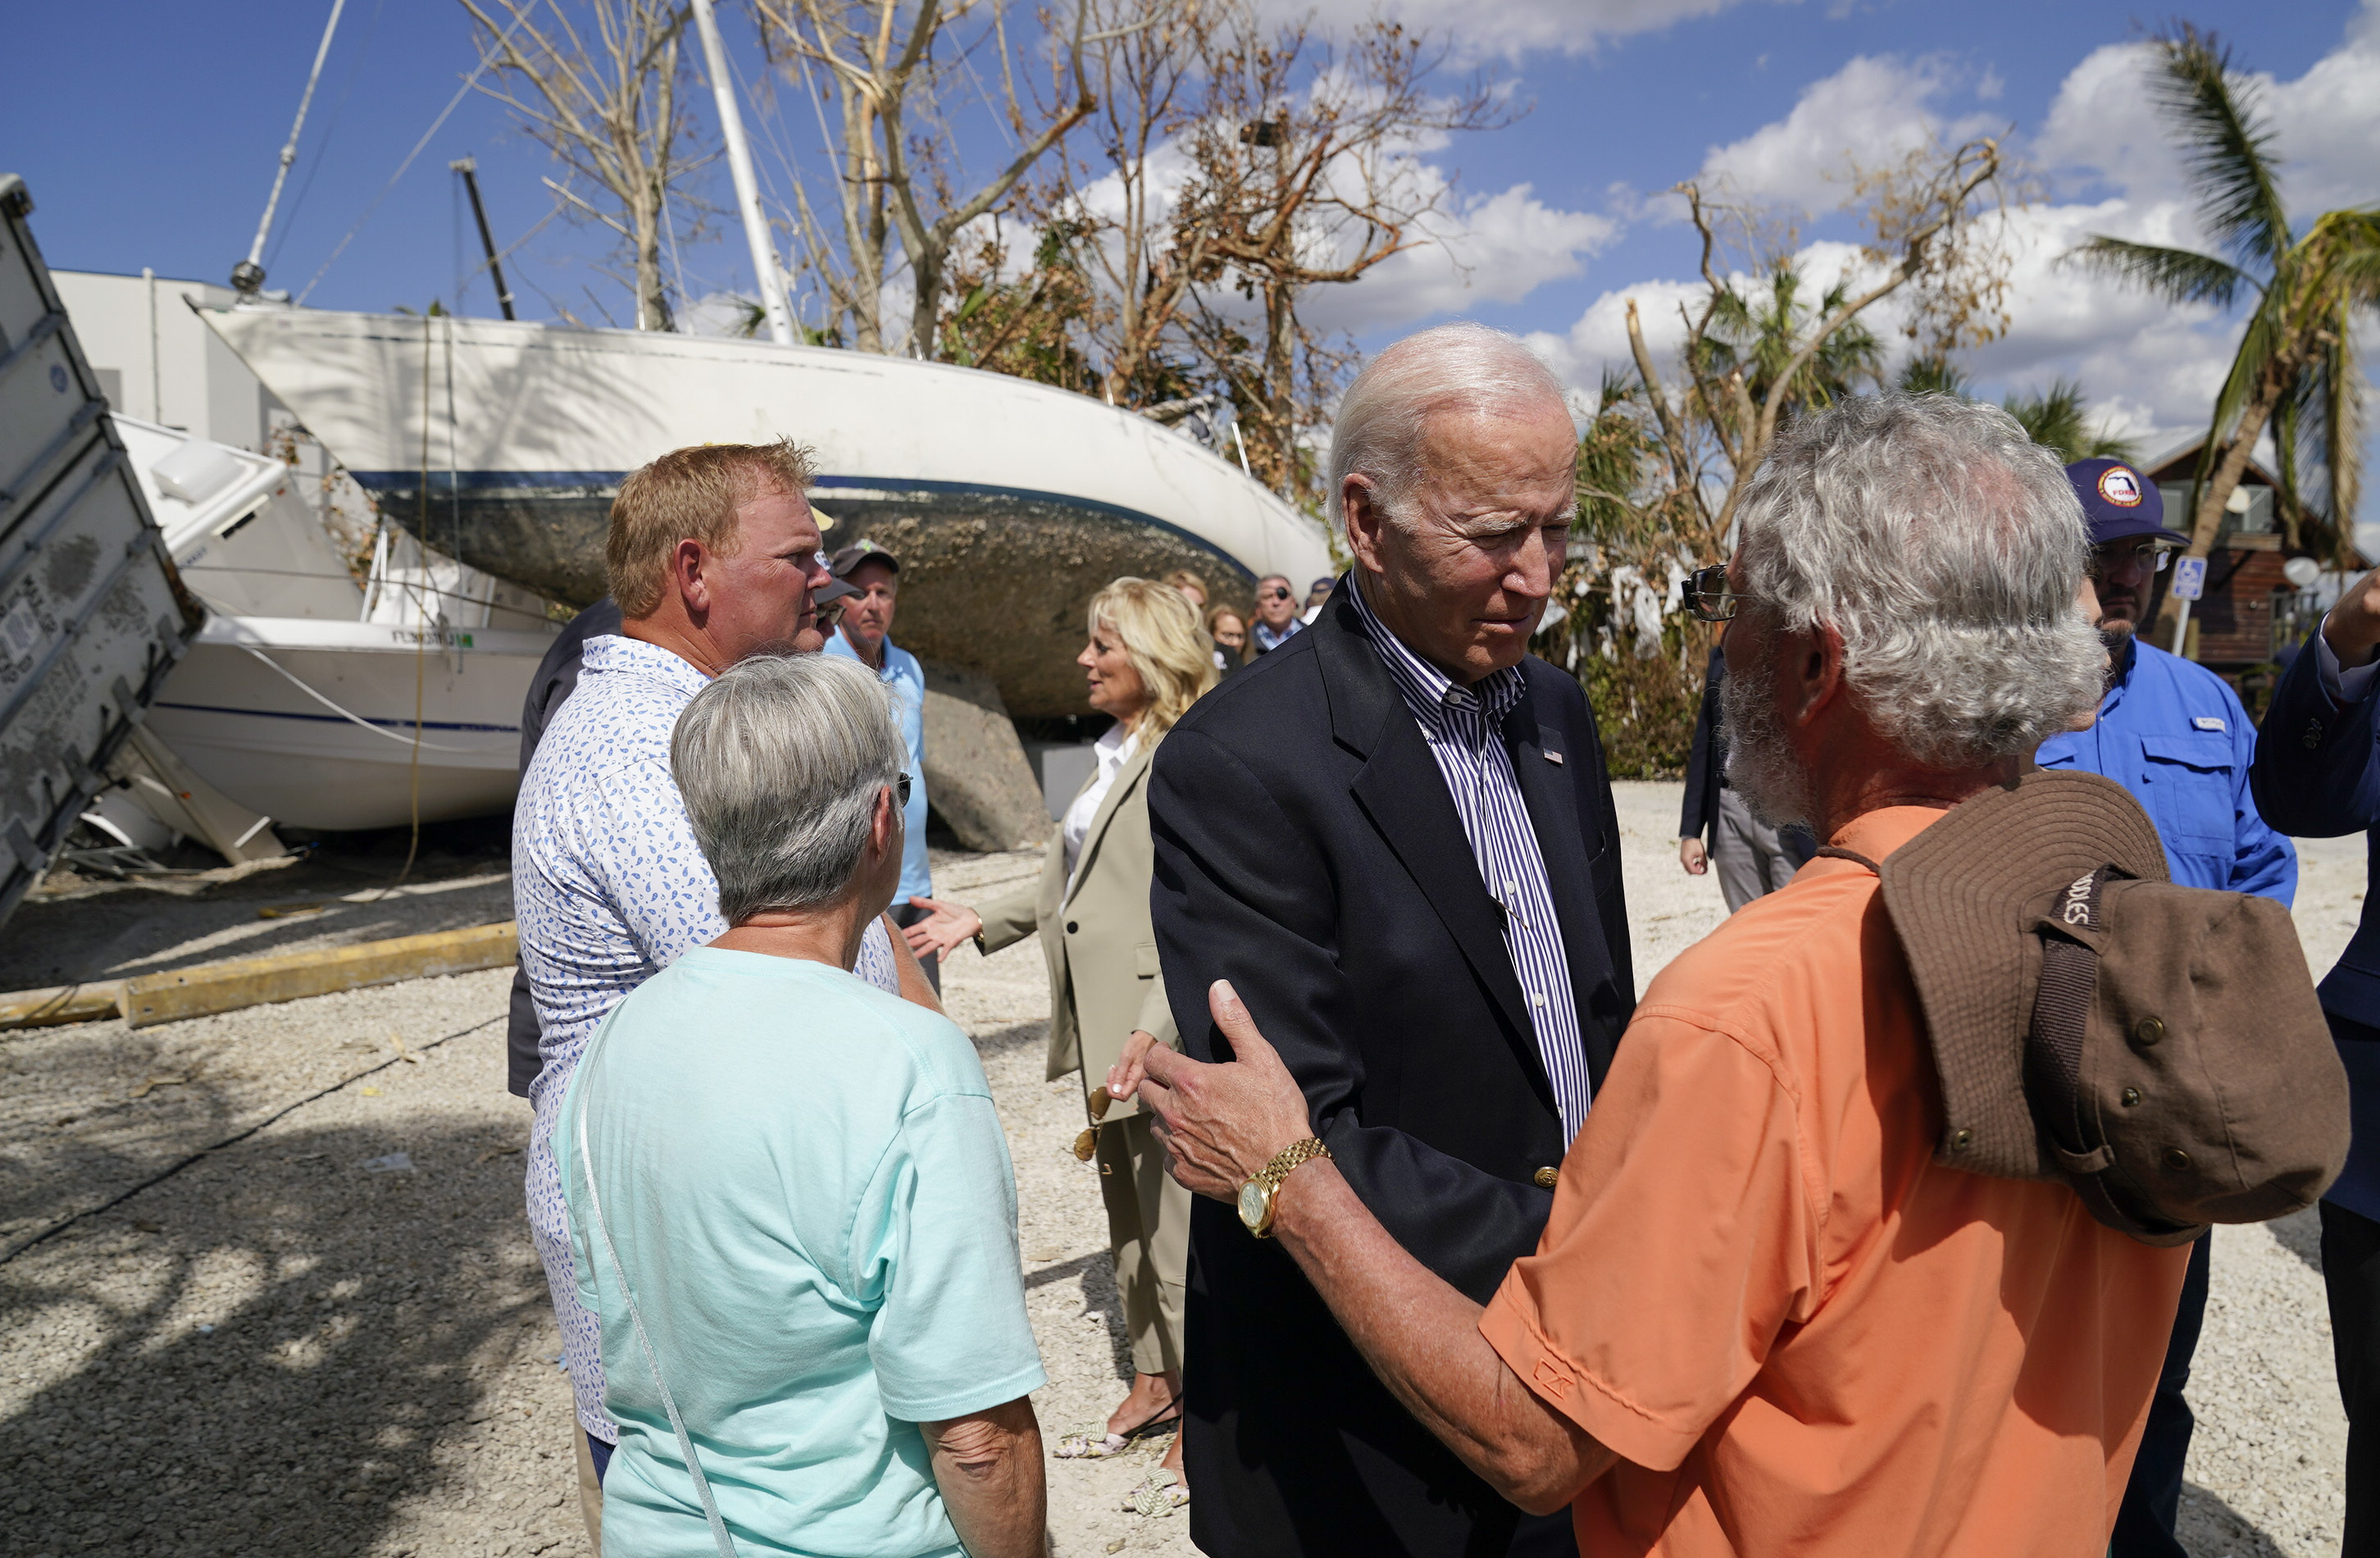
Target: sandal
{"type": "Point", "coordinates": [1092, 1441]}
{"type": "Point", "coordinates": [1160, 1492]}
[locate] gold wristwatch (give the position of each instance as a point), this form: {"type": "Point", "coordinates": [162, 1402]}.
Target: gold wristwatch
{"type": "Point", "coordinates": [1255, 1196]}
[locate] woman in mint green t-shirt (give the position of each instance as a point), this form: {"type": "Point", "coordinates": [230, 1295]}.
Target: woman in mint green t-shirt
{"type": "Point", "coordinates": [790, 1199]}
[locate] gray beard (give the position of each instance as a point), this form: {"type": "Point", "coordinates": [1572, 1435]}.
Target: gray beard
{"type": "Point", "coordinates": [1760, 763]}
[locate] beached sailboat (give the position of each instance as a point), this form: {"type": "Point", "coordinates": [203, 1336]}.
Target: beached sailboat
{"type": "Point", "coordinates": [1010, 504]}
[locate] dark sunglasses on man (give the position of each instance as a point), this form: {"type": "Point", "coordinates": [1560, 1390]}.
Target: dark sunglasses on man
{"type": "Point", "coordinates": [1274, 594]}
{"type": "Point", "coordinates": [1708, 597]}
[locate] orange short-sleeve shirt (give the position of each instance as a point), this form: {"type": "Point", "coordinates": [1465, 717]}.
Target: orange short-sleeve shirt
{"type": "Point", "coordinates": [1799, 1333]}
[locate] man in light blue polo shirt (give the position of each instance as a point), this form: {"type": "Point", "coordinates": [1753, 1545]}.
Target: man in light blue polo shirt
{"type": "Point", "coordinates": [2173, 734]}
{"type": "Point", "coordinates": [865, 635]}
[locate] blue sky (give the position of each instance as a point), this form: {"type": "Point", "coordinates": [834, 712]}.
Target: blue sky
{"type": "Point", "coordinates": [149, 137]}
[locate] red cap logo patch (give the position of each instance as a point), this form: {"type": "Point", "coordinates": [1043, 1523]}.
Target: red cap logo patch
{"type": "Point", "coordinates": [2121, 487]}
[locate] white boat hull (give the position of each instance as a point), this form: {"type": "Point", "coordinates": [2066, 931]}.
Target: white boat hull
{"type": "Point", "coordinates": [345, 754]}
{"type": "Point", "coordinates": [1010, 504]}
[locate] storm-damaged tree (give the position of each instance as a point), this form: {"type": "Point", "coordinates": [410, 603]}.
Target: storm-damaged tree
{"type": "Point", "coordinates": [2295, 372]}
{"type": "Point", "coordinates": [600, 85]}
{"type": "Point", "coordinates": [901, 197]}
{"type": "Point", "coordinates": [2059, 419]}
{"type": "Point", "coordinates": [1665, 455]}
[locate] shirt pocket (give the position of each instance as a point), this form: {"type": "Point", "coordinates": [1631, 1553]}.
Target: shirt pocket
{"type": "Point", "coordinates": [2190, 781]}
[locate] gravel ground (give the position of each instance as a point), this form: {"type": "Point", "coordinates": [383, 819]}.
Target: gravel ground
{"type": "Point", "coordinates": [332, 1336]}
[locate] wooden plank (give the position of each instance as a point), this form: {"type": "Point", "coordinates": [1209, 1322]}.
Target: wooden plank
{"type": "Point", "coordinates": [256, 981]}
{"type": "Point", "coordinates": [61, 1004]}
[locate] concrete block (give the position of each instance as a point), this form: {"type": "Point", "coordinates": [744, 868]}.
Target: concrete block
{"type": "Point", "coordinates": [975, 773]}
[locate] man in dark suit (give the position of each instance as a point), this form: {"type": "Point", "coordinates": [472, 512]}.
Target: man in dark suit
{"type": "Point", "coordinates": [1395, 836]}
{"type": "Point", "coordinates": [2316, 774]}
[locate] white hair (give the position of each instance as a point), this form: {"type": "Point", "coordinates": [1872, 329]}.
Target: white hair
{"type": "Point", "coordinates": [1461, 367]}
{"type": "Point", "coordinates": [780, 761]}
{"type": "Point", "coordinates": [1946, 548]}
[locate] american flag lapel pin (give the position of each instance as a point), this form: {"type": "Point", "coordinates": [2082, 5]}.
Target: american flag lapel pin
{"type": "Point", "coordinates": [1553, 756]}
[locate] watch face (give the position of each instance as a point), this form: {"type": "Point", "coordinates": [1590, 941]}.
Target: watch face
{"type": "Point", "coordinates": [1253, 1202]}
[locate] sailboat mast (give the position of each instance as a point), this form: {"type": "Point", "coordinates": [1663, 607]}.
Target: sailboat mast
{"type": "Point", "coordinates": [747, 188]}
{"type": "Point", "coordinates": [469, 168]}
{"type": "Point", "coordinates": [248, 276]}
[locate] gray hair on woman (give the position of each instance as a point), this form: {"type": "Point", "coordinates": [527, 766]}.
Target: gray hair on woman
{"type": "Point", "coordinates": [1459, 367]}
{"type": "Point", "coordinates": [780, 761]}
{"type": "Point", "coordinates": [1946, 548]}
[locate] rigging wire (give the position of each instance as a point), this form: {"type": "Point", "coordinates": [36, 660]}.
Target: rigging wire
{"type": "Point", "coordinates": [330, 132]}
{"type": "Point", "coordinates": [435, 126]}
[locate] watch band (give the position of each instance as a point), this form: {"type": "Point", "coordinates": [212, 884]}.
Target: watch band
{"type": "Point", "coordinates": [1284, 1164]}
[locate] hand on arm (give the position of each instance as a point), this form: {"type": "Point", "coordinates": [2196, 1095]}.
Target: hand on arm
{"type": "Point", "coordinates": [988, 1465]}
{"type": "Point", "coordinates": [942, 930]}
{"type": "Point", "coordinates": [1222, 1125]}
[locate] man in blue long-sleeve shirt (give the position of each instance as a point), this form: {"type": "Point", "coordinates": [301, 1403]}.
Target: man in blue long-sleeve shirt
{"type": "Point", "coordinates": [2317, 774]}
{"type": "Point", "coordinates": [2173, 734]}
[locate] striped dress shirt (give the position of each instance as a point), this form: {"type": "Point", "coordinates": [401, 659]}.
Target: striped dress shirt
{"type": "Point", "coordinates": [1464, 728]}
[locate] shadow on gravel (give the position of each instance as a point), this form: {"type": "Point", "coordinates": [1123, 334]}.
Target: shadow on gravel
{"type": "Point", "coordinates": [2301, 1235]}
{"type": "Point", "coordinates": [358, 1317]}
{"type": "Point", "coordinates": [1000, 1041]}
{"type": "Point", "coordinates": [2210, 1529]}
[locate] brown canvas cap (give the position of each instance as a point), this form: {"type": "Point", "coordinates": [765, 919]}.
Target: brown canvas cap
{"type": "Point", "coordinates": [1964, 896]}
{"type": "Point", "coordinates": [2160, 1049]}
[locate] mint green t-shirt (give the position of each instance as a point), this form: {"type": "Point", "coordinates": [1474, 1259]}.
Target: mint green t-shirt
{"type": "Point", "coordinates": [812, 1200]}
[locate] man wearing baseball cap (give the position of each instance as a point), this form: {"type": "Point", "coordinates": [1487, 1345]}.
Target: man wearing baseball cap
{"type": "Point", "coordinates": [873, 575]}
{"type": "Point", "coordinates": [2173, 733]}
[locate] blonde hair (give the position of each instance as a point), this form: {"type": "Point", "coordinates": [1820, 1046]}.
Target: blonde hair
{"type": "Point", "coordinates": [1169, 651]}
{"type": "Point", "coordinates": [1182, 579]}
{"type": "Point", "coordinates": [691, 495]}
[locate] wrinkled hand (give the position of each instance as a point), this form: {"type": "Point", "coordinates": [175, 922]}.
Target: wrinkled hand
{"type": "Point", "coordinates": [944, 928]}
{"type": "Point", "coordinates": [1691, 856]}
{"type": "Point", "coordinates": [2353, 625]}
{"type": "Point", "coordinates": [1222, 1124]}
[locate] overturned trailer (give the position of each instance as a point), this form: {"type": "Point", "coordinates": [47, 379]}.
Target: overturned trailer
{"type": "Point", "coordinates": [92, 614]}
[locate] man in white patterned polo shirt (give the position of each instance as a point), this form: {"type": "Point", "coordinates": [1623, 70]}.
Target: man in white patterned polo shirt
{"type": "Point", "coordinates": [714, 558]}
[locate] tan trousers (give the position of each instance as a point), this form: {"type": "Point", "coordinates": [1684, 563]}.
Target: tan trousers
{"type": "Point", "coordinates": [1148, 1229]}
{"type": "Point", "coordinates": [591, 1489]}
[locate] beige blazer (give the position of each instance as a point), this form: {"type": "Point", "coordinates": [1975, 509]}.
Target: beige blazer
{"type": "Point", "coordinates": [1097, 938]}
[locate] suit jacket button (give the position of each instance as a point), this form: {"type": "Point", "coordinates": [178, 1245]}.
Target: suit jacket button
{"type": "Point", "coordinates": [1547, 1179]}
{"type": "Point", "coordinates": [1071, 927]}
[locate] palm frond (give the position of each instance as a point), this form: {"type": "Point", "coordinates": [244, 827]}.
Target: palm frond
{"type": "Point", "coordinates": [2058, 419]}
{"type": "Point", "coordinates": [2225, 144]}
{"type": "Point", "coordinates": [2178, 275]}
{"type": "Point", "coordinates": [1931, 375]}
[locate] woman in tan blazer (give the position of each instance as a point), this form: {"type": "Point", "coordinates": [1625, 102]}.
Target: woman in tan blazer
{"type": "Point", "coordinates": [1147, 662]}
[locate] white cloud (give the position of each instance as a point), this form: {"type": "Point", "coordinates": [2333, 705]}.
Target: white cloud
{"type": "Point", "coordinates": [1508, 29]}
{"type": "Point", "coordinates": [1874, 110]}
{"type": "Point", "coordinates": [1489, 248]}
{"type": "Point", "coordinates": [2150, 369]}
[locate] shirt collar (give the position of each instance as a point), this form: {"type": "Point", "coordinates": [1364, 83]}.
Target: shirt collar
{"type": "Point", "coordinates": [1427, 691]}
{"type": "Point", "coordinates": [617, 654]}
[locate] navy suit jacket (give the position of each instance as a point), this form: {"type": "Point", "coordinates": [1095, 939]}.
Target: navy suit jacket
{"type": "Point", "coordinates": [1706, 761]}
{"type": "Point", "coordinates": [2316, 774]}
{"type": "Point", "coordinates": [1307, 850]}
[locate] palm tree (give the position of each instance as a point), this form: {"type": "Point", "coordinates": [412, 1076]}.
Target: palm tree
{"type": "Point", "coordinates": [2295, 371]}
{"type": "Point", "coordinates": [1761, 334]}
{"type": "Point", "coordinates": [2054, 418]}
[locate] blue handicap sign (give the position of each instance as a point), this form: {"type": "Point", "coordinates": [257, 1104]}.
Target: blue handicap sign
{"type": "Point", "coordinates": [2188, 578]}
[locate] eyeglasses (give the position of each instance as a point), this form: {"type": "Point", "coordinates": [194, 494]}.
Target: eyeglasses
{"type": "Point", "coordinates": [901, 790]}
{"type": "Point", "coordinates": [1708, 597]}
{"type": "Point", "coordinates": [1273, 594]}
{"type": "Point", "coordinates": [2115, 553]}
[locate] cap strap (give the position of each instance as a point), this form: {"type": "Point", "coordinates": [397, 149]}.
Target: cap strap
{"type": "Point", "coordinates": [1853, 856]}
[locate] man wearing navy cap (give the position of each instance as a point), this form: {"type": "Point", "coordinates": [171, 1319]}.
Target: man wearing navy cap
{"type": "Point", "coordinates": [2173, 733]}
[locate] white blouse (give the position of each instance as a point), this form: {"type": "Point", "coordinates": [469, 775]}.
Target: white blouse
{"type": "Point", "coordinates": [1113, 751]}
